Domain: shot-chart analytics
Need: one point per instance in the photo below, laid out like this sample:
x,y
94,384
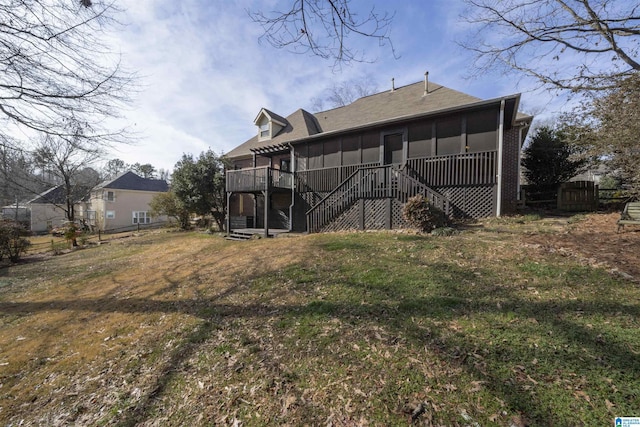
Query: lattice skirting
x,y
380,214
373,214
348,220
471,202
397,219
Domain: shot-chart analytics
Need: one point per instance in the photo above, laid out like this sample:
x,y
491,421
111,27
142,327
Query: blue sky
x,y
205,74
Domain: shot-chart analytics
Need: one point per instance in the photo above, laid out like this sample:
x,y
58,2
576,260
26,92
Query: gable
x,y
300,124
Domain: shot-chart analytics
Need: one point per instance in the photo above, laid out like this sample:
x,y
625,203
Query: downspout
x,y
292,168
500,153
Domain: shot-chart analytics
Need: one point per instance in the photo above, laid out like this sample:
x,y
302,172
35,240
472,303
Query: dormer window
x,y
264,130
269,124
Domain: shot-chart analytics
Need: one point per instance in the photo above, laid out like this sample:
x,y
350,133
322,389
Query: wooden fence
x,y
578,196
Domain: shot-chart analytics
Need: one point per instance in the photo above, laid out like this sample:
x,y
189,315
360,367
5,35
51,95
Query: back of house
x,y
355,166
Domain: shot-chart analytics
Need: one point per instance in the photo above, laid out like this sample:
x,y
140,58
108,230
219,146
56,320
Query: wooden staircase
x,y
375,182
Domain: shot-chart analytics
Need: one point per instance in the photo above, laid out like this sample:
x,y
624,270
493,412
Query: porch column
x,y
292,169
228,211
500,154
266,213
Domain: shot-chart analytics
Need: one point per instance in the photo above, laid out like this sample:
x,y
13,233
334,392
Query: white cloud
x,y
205,75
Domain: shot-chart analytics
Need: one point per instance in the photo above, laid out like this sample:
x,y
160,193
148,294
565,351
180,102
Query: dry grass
x,y
337,329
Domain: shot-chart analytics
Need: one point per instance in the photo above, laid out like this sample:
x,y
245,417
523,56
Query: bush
x,y
13,242
419,213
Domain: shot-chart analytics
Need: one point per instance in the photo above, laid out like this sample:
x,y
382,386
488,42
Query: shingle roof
x,y
55,195
406,101
130,181
299,125
273,116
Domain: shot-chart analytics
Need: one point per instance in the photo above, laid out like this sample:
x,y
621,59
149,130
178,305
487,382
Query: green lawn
x,y
336,329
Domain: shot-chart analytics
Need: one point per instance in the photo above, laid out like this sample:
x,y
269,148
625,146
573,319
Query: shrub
x,y
419,213
13,242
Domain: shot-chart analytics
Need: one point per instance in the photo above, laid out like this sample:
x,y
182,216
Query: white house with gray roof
x,y
355,166
123,202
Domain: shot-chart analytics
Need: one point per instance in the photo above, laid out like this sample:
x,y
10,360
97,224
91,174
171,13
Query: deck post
x,y
500,154
292,167
266,213
229,194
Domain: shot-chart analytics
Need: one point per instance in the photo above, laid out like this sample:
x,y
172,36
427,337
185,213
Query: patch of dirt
x,y
595,241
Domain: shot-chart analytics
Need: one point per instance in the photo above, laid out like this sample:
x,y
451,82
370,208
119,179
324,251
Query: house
x,y
355,166
17,212
48,209
123,202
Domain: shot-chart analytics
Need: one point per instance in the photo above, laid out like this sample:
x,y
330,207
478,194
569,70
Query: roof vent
x,y
426,83
393,84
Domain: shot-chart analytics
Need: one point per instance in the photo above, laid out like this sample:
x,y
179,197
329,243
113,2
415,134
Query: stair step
x,y
237,239
238,236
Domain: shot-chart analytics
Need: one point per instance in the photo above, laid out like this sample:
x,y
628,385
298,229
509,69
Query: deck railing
x,y
258,179
439,171
458,169
326,179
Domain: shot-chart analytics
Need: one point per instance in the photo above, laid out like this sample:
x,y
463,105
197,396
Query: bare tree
x,y
114,167
341,94
16,169
68,158
57,69
580,45
607,127
324,28
146,170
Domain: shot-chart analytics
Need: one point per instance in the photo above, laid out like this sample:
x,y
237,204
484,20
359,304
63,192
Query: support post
x,y
500,162
229,194
292,170
266,213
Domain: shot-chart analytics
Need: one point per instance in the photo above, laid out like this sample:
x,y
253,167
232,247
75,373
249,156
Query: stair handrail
x,y
342,184
437,199
342,191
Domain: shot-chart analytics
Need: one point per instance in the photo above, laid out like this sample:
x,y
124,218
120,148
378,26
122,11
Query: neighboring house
x,y
123,202
18,213
355,166
48,210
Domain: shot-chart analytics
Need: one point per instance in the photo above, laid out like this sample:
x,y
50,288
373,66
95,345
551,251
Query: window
x,y
371,147
302,163
351,150
315,156
110,196
331,153
482,132
110,214
448,133
264,130
285,165
420,141
141,217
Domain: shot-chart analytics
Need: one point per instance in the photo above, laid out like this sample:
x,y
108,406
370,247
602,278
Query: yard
x,y
511,322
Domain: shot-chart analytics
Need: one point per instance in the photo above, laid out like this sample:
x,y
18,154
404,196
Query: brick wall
x,y
511,149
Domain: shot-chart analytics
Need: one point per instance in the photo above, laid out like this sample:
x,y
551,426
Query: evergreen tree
x,y
549,160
